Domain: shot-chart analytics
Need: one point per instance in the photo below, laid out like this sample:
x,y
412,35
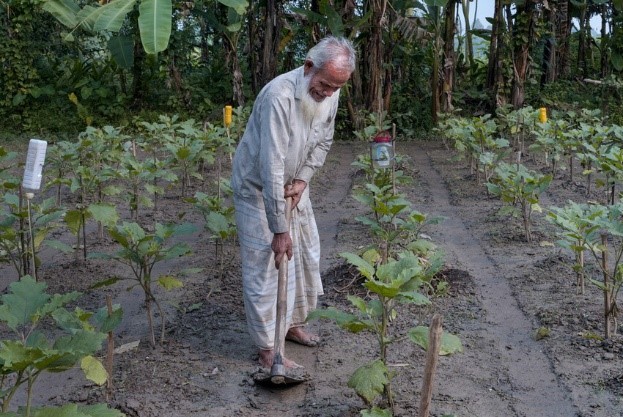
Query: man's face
x,y
325,81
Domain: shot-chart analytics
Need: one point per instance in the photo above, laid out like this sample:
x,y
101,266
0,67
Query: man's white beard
x,y
313,110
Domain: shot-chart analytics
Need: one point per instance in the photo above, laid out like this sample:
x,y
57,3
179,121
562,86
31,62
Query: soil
x,y
502,290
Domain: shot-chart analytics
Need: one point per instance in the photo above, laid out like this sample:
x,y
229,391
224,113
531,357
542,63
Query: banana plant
x,y
24,309
141,251
519,189
154,18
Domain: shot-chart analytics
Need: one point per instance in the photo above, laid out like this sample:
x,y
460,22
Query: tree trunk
x,y
447,84
138,84
469,44
270,46
548,66
523,33
605,55
495,73
253,46
353,93
231,57
315,30
563,34
374,55
582,43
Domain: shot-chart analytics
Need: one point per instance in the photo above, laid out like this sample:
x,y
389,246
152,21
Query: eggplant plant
x,y
519,189
153,170
185,151
59,160
8,181
578,233
141,176
396,271
93,172
549,140
609,161
518,124
24,358
601,227
22,234
141,250
218,216
476,137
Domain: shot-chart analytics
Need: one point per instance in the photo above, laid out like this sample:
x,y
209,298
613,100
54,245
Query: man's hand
x,y
281,246
295,190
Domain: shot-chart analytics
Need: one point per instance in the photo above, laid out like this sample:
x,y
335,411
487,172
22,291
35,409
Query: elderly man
x,y
287,138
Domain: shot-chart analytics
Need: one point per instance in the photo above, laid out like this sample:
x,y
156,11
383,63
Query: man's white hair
x,y
337,50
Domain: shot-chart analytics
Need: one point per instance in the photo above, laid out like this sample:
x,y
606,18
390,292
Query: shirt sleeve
x,y
274,136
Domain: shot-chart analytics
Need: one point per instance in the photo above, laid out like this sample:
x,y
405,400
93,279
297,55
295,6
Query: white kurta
x,y
278,146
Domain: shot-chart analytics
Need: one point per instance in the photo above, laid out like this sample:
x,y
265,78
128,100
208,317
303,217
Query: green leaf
x,y
25,299
106,282
113,15
17,357
82,342
363,267
376,412
65,11
94,370
104,213
73,220
369,381
449,343
240,6
169,282
69,410
121,48
617,60
100,410
106,322
58,245
415,297
346,321
154,24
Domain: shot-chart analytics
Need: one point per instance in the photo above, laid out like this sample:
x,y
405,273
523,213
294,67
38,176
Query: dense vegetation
x,y
67,65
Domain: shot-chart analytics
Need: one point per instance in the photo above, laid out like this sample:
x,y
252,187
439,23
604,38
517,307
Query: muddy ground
x,y
502,289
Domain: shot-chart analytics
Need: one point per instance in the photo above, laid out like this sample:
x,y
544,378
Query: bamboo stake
x,y
432,356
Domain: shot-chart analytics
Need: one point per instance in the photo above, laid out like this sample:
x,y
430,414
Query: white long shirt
x,y
280,145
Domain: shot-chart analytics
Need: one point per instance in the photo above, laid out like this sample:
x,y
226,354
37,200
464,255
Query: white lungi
x,y
260,275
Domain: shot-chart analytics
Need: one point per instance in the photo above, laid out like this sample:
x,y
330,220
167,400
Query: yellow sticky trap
x,y
227,115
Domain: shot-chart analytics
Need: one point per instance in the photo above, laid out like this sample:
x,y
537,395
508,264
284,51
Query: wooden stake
x,y
109,353
604,266
432,356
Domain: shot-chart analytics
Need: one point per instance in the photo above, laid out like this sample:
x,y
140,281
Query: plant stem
x,y
604,264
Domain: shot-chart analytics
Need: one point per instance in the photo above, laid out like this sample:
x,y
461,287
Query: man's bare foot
x,y
267,356
300,336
